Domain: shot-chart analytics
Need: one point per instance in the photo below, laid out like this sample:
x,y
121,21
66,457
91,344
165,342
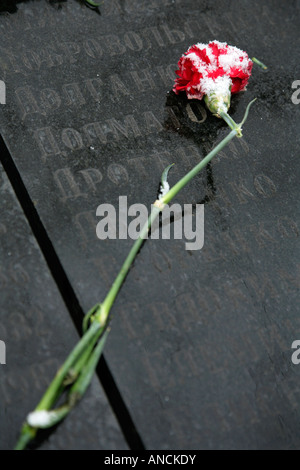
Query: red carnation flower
x,y
213,70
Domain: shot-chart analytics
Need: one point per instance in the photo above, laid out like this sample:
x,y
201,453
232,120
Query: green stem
x,y
27,435
51,394
86,375
93,4
80,363
56,387
229,121
83,359
178,186
114,290
232,124
258,62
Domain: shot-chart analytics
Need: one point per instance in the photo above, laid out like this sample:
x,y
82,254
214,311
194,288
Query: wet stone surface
x,y
200,346
38,334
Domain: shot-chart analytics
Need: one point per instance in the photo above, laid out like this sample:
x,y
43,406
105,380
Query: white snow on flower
x,y
200,45
40,419
218,86
233,59
210,55
208,51
201,66
164,188
219,43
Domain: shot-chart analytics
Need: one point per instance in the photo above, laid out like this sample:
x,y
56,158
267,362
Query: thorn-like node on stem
x,y
159,204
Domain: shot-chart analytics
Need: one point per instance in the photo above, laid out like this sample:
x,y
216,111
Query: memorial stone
x,y
201,341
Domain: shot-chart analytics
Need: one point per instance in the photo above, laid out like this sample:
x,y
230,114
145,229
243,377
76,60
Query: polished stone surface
x,y
38,334
200,346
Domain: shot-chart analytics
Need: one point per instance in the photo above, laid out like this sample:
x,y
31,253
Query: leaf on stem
x,y
258,62
87,317
164,186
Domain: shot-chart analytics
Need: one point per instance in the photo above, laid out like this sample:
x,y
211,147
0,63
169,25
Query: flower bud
x,y
217,101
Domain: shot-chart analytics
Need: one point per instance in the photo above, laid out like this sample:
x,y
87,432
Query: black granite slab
x,y
201,341
38,333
